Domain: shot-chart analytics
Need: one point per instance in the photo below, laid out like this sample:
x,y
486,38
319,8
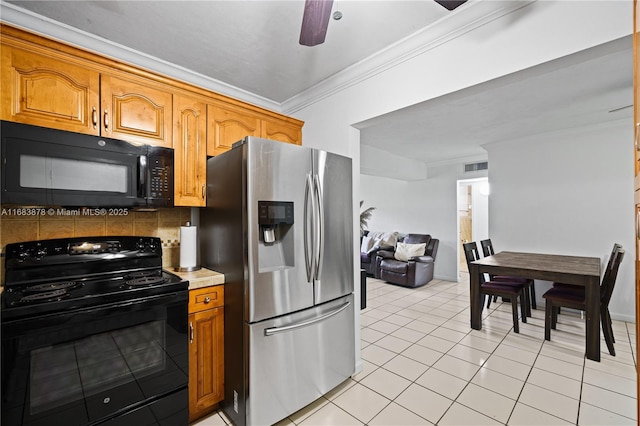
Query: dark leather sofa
x,y
416,271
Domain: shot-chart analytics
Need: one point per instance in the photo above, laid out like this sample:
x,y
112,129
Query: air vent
x,y
475,167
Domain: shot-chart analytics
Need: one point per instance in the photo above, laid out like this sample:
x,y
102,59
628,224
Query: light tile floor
x,y
423,364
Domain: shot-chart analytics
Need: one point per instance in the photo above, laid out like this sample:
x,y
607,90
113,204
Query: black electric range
x,y
94,332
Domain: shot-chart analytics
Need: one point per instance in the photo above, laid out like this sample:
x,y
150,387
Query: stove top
x,y
56,275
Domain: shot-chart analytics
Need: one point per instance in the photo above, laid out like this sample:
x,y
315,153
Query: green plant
x,y
365,215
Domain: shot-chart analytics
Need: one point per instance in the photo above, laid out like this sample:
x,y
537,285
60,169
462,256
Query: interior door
x,y
334,272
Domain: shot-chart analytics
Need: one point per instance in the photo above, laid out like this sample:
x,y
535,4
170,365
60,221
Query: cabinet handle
x,y
636,137
94,117
106,119
191,332
637,223
204,191
207,299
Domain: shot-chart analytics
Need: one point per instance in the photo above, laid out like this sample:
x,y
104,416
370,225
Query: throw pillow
x,y
375,246
406,251
389,239
367,243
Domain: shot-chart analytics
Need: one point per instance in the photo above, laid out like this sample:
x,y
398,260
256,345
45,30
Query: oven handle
x,y
181,296
151,300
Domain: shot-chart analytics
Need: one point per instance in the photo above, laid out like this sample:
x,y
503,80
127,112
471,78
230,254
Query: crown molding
x,y
453,25
41,25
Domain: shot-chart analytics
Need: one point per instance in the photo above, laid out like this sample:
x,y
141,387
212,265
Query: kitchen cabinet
x,y
44,91
283,131
228,124
190,151
62,93
135,111
206,350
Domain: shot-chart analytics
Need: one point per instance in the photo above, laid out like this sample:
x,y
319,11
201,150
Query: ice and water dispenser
x,y
276,239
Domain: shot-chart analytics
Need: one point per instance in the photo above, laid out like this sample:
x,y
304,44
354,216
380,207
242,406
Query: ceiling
x,y
253,46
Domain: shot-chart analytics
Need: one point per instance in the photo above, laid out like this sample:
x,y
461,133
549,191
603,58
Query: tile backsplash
x,y
17,225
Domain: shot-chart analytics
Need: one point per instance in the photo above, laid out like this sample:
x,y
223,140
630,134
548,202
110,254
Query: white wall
x,y
428,206
568,193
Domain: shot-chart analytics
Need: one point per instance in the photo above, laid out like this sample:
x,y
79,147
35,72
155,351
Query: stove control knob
x,y
40,253
22,254
140,245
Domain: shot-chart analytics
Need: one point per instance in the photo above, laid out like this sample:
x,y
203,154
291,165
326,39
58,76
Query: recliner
x,y
416,271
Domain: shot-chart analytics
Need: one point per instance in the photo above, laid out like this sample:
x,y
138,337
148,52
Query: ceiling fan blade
x,y
315,21
450,4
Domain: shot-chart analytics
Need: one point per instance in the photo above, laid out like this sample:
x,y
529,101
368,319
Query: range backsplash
x,y
26,224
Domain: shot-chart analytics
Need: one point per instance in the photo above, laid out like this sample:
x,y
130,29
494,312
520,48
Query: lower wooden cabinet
x,y
206,350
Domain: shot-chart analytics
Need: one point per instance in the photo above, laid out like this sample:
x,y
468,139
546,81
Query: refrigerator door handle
x,y
275,330
320,227
308,258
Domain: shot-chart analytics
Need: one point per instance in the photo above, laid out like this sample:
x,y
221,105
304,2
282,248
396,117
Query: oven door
x,y
123,363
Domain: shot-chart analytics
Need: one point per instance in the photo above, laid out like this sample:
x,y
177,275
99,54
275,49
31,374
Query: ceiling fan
x,y
315,19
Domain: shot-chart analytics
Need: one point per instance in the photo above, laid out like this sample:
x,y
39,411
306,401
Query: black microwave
x,y
47,167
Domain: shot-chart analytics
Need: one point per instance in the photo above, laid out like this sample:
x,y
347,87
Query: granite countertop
x,y
200,278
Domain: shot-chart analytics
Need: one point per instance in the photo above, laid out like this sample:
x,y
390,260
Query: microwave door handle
x,y
142,176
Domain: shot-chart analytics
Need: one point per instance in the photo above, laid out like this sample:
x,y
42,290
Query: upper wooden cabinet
x,y
283,131
228,124
135,111
190,151
48,92
53,92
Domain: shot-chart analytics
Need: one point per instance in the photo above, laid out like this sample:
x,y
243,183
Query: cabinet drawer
x,y
206,298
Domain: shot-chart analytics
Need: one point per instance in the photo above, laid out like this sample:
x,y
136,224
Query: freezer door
x,y
278,280
334,270
296,359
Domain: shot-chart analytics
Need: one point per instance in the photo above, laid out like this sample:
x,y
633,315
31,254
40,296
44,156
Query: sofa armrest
x,y
421,259
386,254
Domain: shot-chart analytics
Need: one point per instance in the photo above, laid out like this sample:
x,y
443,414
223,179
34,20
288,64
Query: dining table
x,y
578,270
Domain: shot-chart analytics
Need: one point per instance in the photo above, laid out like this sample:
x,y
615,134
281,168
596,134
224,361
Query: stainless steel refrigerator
x,y
279,225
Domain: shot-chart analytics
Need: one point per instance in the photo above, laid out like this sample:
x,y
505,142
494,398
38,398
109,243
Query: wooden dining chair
x,y
487,250
575,299
505,289
616,247
578,288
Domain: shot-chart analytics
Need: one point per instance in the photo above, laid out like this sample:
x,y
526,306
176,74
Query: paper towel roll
x,y
188,247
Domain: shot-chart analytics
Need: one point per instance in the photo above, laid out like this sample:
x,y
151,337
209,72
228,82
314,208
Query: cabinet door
x,y
206,361
135,112
190,151
227,125
281,131
48,92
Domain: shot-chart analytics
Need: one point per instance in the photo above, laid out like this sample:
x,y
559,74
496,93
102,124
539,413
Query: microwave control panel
x,y
160,166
